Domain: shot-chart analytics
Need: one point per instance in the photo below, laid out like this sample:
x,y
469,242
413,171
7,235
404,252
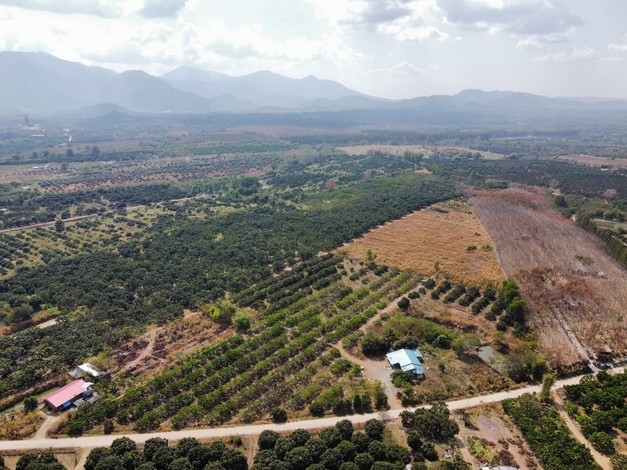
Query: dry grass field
x,y
420,240
597,161
575,290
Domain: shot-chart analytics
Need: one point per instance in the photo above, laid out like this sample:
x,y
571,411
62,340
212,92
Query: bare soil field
x,y
160,347
416,242
498,435
574,289
596,161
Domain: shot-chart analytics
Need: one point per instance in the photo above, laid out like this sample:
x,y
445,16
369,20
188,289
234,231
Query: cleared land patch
x,y
441,237
574,289
427,151
597,161
491,437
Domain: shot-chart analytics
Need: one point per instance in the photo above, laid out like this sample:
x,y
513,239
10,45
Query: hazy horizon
x,y
385,48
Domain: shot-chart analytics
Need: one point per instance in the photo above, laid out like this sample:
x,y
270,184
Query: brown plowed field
x,y
417,241
575,290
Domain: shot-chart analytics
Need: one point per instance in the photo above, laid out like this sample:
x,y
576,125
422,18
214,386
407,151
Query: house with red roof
x,y
68,394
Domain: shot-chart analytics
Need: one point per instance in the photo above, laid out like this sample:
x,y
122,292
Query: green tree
x,y
133,460
265,458
185,445
180,464
299,458
242,322
602,442
466,344
279,415
95,456
331,459
164,457
345,427
108,426
152,446
300,437
221,312
331,437
233,460
112,462
374,429
347,449
147,466
199,457
373,345
619,462
442,341
30,404
403,304
316,409
267,439
547,382
364,461
122,445
414,441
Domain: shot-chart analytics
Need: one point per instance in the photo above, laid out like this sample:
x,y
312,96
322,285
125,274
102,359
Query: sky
x,y
387,48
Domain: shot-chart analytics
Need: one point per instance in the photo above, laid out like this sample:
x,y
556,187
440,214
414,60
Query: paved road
x,y
101,441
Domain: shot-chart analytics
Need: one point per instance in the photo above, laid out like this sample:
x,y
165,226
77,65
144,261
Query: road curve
x,y
254,429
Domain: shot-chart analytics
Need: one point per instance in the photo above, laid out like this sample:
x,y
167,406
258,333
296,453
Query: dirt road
x,y
48,224
377,369
602,460
255,429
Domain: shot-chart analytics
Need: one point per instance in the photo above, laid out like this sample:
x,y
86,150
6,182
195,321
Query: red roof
x,y
67,393
604,349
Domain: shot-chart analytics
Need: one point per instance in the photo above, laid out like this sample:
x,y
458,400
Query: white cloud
x,y
100,8
620,47
407,69
521,17
404,20
539,41
161,8
575,55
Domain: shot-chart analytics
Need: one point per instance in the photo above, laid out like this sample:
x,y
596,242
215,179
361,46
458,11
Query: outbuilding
x,y
87,369
408,360
68,394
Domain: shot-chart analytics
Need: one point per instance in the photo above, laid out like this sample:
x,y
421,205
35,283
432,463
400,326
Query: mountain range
x,y
40,82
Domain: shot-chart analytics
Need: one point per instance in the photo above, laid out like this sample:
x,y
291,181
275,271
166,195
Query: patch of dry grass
x,y
19,425
597,161
416,242
574,288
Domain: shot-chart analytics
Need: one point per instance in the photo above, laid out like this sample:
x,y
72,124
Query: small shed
x,y
408,360
68,394
86,369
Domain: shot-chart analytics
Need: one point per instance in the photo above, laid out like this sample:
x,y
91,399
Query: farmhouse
x,y
68,395
408,360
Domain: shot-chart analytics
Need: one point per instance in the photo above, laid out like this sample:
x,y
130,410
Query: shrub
x,y
403,304
279,415
602,442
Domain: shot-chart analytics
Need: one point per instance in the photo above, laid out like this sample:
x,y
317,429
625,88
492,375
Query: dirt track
x,y
255,429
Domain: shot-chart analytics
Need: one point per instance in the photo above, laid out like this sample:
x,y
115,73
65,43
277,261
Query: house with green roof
x,y
408,360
